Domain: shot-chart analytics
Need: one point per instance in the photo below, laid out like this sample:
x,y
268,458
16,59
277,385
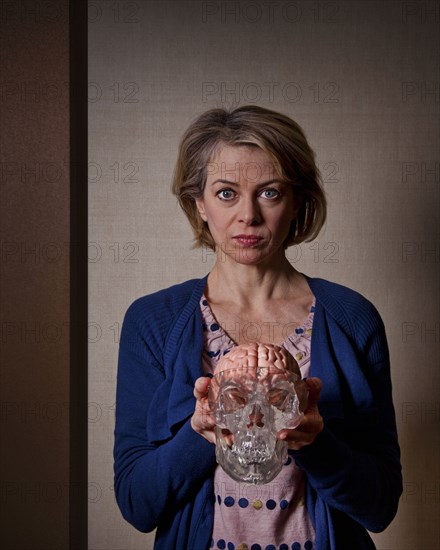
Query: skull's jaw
x,y
256,456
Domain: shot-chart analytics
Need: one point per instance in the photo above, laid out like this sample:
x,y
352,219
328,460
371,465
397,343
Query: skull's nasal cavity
x,y
256,417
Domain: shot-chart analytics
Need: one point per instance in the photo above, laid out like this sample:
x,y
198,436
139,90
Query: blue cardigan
x,y
164,469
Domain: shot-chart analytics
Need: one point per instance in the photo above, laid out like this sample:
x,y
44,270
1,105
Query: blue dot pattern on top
x,y
222,544
271,504
229,501
243,503
264,513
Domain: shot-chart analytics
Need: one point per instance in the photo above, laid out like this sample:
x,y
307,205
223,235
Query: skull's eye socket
x,y
278,397
231,399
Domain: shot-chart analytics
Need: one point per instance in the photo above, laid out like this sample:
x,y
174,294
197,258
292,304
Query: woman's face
x,y
247,206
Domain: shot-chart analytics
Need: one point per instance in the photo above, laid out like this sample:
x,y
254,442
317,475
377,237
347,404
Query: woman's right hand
x,y
202,420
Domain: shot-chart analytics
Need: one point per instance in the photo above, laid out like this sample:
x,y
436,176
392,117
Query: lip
x,y
248,240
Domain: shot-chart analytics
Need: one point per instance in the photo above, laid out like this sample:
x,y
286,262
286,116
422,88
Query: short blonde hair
x,y
276,134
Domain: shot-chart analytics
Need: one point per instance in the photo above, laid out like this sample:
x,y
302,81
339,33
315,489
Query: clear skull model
x,y
256,391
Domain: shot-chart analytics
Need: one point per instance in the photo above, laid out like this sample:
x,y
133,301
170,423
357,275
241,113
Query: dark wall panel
x,y
37,486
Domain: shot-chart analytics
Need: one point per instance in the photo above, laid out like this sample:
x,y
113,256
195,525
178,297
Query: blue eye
x,y
270,193
226,194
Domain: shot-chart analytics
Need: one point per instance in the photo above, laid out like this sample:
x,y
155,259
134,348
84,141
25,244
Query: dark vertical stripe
x,y
78,275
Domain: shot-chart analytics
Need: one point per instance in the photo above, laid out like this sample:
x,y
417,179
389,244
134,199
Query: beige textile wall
x,y
362,79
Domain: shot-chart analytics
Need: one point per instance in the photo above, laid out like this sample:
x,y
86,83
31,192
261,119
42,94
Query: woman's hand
x,y
202,420
311,424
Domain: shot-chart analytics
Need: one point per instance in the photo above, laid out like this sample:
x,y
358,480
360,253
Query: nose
x,y
250,213
256,417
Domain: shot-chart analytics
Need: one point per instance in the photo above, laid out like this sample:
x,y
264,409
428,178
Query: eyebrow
x,y
268,182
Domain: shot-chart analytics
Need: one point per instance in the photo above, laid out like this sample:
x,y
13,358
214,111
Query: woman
x,y
248,183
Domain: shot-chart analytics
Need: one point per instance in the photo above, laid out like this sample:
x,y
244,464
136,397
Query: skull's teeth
x,y
251,455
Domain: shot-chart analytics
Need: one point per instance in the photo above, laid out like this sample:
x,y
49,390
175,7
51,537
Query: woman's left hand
x,y
202,421
311,424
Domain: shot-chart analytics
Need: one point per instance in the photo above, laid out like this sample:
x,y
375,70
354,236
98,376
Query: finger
x,y
201,387
204,420
315,387
203,428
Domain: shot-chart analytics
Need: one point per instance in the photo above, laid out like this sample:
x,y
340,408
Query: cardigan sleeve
x,y
152,480
354,463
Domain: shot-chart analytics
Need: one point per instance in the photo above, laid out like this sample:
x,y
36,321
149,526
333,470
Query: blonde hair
x,y
276,134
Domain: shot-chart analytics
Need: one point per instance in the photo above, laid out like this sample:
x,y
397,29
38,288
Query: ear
x,y
200,203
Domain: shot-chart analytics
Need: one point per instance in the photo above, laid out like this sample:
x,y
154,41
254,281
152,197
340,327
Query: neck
x,y
246,285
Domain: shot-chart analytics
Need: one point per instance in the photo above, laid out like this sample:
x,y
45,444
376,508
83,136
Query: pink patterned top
x,y
259,517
